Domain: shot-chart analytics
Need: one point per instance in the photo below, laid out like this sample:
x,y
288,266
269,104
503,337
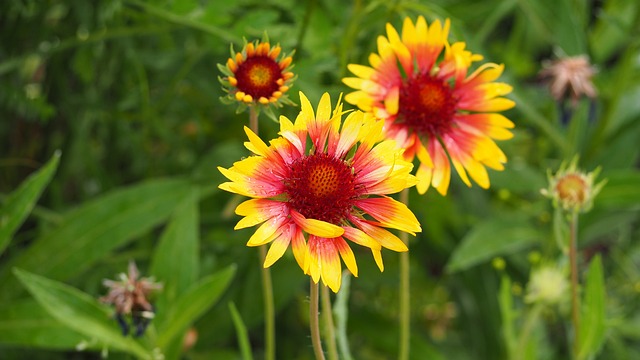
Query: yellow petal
x,y
347,256
460,170
276,250
478,173
299,246
258,146
423,156
424,179
330,268
495,104
316,227
306,110
360,237
361,71
390,213
377,256
265,233
324,108
384,237
391,102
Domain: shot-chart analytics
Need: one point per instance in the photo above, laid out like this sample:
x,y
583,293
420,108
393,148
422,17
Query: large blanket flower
x,y
419,84
320,183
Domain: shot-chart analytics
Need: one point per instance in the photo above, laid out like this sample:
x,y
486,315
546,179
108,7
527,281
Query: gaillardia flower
x,y
320,183
419,85
257,75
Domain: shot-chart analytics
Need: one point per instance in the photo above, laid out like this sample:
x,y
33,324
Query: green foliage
x,y
500,236
593,326
79,311
128,92
19,204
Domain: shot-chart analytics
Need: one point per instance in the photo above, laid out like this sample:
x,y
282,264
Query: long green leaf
x,y
175,260
26,324
621,190
93,230
592,327
192,304
491,238
79,311
241,332
21,201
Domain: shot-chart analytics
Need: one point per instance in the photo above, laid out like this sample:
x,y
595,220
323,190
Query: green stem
x,y
329,328
405,291
314,324
341,312
575,300
527,328
267,286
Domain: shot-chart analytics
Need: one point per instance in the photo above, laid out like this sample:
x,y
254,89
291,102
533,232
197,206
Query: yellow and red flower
x,y
320,183
257,75
420,85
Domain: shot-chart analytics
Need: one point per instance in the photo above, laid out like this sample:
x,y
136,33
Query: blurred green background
x,y
128,92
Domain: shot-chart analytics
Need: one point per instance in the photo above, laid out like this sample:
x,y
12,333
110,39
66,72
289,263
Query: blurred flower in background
x,y
573,189
419,85
331,189
257,75
570,77
130,295
548,285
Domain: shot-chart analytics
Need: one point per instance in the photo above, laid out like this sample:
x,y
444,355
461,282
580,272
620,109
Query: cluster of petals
x,y
322,184
432,105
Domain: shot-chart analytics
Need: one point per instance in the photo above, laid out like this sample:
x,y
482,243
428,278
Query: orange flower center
x,y
426,105
321,187
257,76
572,189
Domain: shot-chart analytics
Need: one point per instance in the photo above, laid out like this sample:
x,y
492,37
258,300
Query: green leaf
x,y
175,260
20,202
79,311
491,238
192,304
569,28
592,327
93,230
241,332
508,315
621,190
27,324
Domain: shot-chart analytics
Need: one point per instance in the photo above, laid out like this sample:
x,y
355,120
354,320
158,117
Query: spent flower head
x,y
572,189
259,75
420,85
570,77
130,295
322,182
